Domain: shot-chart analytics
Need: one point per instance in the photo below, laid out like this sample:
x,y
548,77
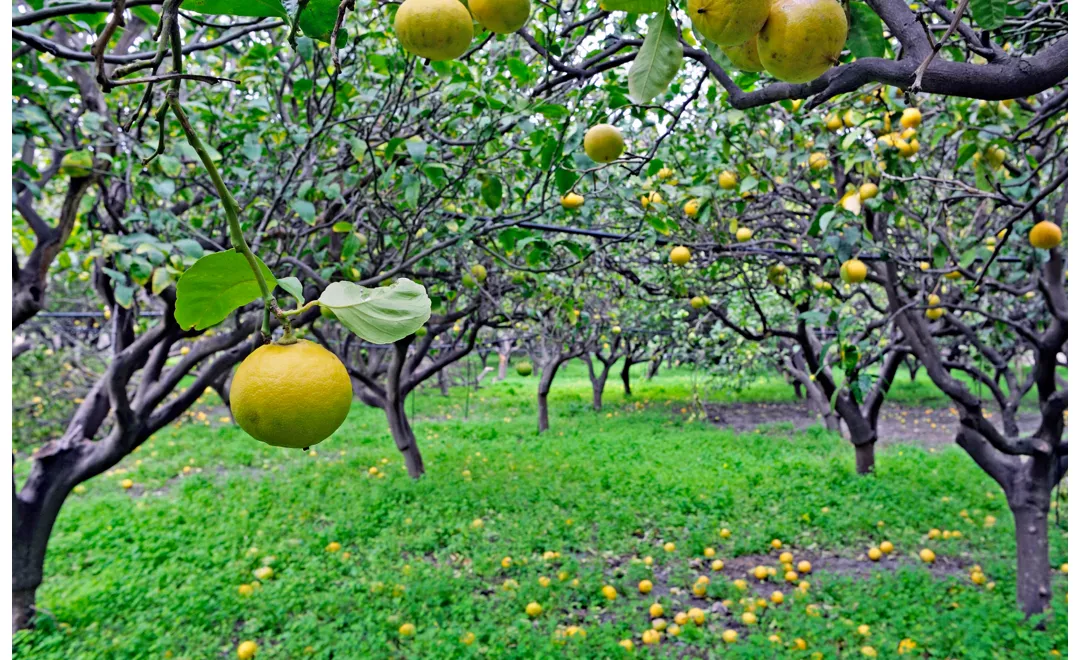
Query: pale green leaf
x,y
658,60
293,287
382,315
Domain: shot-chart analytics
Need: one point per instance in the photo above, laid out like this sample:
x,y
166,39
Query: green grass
x,y
155,571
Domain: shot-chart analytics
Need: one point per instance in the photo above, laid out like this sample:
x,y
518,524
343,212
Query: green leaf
x,y
160,281
565,180
341,226
305,210
989,14
380,316
293,287
148,15
658,60
252,8
492,192
214,286
635,6
866,37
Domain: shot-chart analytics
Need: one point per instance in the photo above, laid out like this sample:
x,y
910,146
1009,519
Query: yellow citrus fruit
x,y
645,586
627,644
479,272
745,56
468,638
697,302
777,597
652,199
818,161
245,590
927,555
571,201
407,630
874,554
728,180
604,143
853,271
691,208
533,609
935,313
434,29
656,610
246,650
501,16
744,234
802,39
804,566
995,155
729,636
849,118
650,637
728,22
292,395
1045,235
933,300
126,484
609,592
833,122
680,256
887,547
868,190
911,118
953,275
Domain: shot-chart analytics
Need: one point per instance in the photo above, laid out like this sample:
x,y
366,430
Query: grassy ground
x,y
154,572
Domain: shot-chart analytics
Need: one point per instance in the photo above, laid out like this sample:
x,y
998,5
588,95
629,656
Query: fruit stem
x,y
232,214
303,308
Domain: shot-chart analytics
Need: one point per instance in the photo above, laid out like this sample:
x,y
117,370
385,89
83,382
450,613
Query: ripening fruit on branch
x,y
77,163
697,302
501,16
744,234
291,395
728,22
1045,235
479,272
651,199
868,190
853,271
524,368
995,156
728,180
745,55
802,39
680,255
438,30
833,122
692,208
818,161
604,143
571,201
911,118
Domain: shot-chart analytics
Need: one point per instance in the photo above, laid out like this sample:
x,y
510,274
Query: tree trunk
x,y
625,374
1029,500
547,375
598,388
22,609
403,436
444,382
864,458
797,386
504,360
654,366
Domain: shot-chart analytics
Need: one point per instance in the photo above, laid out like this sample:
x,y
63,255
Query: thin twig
x,y
916,86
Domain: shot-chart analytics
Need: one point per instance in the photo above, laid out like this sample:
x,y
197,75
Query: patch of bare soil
x,y
929,427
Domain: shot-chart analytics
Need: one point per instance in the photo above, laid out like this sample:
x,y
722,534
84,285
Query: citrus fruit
x,y
524,368
77,163
691,208
853,271
292,395
697,302
407,630
438,30
802,39
868,190
744,234
645,586
927,555
911,118
680,256
604,143
1045,235
571,201
833,122
818,161
501,16
745,56
874,554
651,199
730,636
728,180
728,22
650,637
533,609
246,650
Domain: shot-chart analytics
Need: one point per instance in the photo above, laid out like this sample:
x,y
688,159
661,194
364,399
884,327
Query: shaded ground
x,y
931,427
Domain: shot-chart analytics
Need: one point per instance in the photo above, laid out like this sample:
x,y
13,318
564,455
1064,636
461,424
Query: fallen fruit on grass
x,y
645,586
650,637
533,609
609,592
804,566
786,558
656,610
263,573
927,555
874,554
291,395
729,636
886,547
407,630
777,597
697,615
247,650
718,565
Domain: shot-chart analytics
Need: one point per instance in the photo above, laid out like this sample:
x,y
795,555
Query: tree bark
x,y
654,366
444,382
547,375
1032,560
625,374
506,350
403,435
864,458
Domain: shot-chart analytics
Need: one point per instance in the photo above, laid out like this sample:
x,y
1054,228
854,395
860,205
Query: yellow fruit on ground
x,y
263,573
681,618
645,586
710,552
571,201
126,484
744,234
906,646
1065,568
728,22
978,577
609,592
760,572
245,590
853,271
868,651
691,208
887,547
725,533
407,630
802,39
468,638
804,566
1045,235
927,555
293,395
656,610
791,576
651,199
745,56
333,546
247,650
659,624
697,615
717,565
818,160
749,618
501,16
868,190
874,554
729,636
680,256
604,143
911,118
627,644
833,122
728,180
650,637
437,30
533,609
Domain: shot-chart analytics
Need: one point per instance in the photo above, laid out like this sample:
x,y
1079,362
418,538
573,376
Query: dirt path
x,y
930,427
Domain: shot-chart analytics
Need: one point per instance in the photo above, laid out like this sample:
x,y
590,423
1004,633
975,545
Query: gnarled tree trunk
x,y
547,376
625,375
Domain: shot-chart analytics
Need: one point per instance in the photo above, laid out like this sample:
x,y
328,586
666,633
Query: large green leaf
x,y
658,60
214,286
989,14
634,6
383,315
317,20
492,191
866,37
